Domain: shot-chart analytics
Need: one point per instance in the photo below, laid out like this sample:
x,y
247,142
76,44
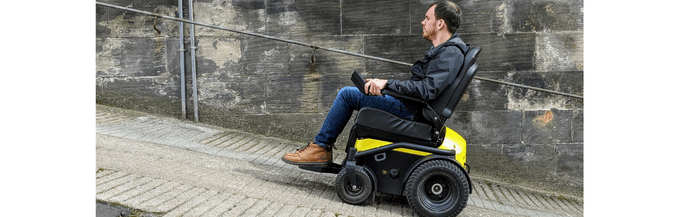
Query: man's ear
x,y
440,24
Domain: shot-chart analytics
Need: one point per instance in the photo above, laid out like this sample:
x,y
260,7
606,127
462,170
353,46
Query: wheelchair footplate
x,y
329,168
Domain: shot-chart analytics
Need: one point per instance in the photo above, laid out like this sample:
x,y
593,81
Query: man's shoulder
x,y
457,42
452,50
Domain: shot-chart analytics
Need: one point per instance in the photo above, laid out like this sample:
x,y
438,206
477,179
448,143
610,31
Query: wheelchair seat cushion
x,y
385,121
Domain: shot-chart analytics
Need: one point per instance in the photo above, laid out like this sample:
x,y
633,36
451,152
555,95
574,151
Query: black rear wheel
x,y
437,188
357,194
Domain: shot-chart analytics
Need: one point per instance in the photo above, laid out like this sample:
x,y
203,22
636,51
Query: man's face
x,y
429,24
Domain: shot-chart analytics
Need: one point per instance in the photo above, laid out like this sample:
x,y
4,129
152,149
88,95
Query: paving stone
x,y
148,195
287,210
301,211
225,206
156,201
110,177
314,213
122,189
190,204
115,183
256,208
240,207
180,199
328,214
519,198
272,209
104,173
208,205
539,203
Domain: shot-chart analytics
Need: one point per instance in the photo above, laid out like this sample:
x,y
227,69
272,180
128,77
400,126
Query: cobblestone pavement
x,y
180,168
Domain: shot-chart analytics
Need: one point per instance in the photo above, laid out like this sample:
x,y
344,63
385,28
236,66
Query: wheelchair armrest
x,y
397,95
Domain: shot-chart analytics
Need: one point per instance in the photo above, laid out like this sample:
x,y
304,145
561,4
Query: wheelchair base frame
x,y
390,164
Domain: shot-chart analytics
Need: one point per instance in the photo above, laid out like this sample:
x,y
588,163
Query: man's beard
x,y
427,36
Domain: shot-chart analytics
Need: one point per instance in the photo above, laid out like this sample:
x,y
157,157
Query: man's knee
x,y
349,95
348,90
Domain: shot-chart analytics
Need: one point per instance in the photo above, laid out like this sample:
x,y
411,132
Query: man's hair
x,y
449,12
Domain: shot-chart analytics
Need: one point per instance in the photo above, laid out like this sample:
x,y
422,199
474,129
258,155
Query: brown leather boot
x,y
311,155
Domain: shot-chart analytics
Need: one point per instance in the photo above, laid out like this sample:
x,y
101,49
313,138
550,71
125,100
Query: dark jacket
x,y
434,73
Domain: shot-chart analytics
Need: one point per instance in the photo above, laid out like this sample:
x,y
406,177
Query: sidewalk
x,y
181,168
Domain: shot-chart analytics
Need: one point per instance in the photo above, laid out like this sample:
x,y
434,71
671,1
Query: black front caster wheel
x,y
437,188
354,194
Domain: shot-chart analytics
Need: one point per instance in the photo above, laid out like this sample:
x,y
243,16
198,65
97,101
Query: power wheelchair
x,y
424,161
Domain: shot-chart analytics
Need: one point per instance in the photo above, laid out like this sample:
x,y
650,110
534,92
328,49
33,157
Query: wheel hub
x,y
437,189
354,189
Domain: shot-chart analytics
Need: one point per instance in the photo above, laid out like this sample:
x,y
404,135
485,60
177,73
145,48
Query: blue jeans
x,y
350,99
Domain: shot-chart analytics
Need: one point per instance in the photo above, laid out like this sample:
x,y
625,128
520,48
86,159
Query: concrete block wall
x,y
529,138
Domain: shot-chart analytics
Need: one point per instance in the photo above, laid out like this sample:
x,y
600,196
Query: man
x,y
430,76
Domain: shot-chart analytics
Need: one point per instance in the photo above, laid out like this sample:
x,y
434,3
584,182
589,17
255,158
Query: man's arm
x,y
440,73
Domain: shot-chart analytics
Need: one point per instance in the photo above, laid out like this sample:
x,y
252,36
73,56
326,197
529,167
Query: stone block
x,y
484,158
526,99
120,23
215,53
418,9
546,127
301,127
559,51
131,57
101,17
508,52
460,122
237,14
375,17
483,95
569,170
578,126
264,57
404,48
322,79
546,15
495,127
477,17
533,165
535,154
283,94
303,17
152,95
532,162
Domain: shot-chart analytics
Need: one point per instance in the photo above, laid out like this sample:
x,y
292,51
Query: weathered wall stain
x,y
545,119
311,89
272,88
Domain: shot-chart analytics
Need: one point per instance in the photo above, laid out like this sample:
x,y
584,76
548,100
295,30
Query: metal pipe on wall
x,y
180,11
193,63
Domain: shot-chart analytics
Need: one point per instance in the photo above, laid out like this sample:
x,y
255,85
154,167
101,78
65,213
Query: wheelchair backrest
x,y
445,103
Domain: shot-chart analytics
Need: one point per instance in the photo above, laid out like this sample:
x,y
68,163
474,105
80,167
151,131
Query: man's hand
x,y
374,86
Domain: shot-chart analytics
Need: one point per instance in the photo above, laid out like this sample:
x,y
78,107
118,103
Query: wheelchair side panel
x,y
453,140
390,169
